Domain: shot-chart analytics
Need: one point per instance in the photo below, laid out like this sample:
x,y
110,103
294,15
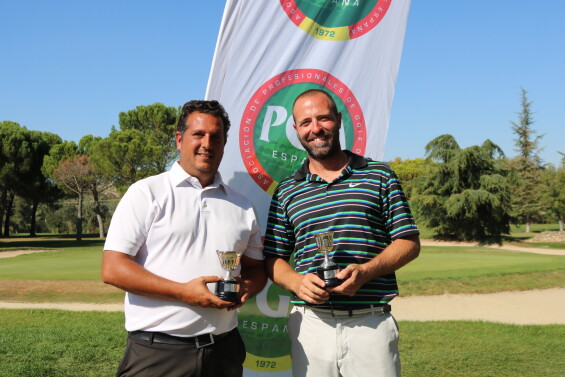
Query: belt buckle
x,y
349,313
200,345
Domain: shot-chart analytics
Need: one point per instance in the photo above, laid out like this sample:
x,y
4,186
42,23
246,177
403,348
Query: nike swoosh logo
x,y
355,184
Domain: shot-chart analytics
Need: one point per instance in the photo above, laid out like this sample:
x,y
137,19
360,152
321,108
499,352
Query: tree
x,y
21,154
157,123
75,175
124,157
465,196
145,145
11,140
36,188
100,181
21,158
62,163
408,171
57,154
554,195
527,168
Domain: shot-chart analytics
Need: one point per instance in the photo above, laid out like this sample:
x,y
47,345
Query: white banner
x,y
268,52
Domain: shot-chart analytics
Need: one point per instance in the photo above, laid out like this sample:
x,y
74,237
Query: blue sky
x,y
70,67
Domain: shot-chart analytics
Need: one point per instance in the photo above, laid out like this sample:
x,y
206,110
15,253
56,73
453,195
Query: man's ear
x,y
178,138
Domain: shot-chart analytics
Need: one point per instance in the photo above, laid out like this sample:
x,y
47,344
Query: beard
x,y
327,148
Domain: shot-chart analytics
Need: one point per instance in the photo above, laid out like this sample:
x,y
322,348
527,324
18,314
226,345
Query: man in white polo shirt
x,y
161,249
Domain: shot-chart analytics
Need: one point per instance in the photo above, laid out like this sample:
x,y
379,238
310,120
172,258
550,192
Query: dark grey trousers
x,y
223,358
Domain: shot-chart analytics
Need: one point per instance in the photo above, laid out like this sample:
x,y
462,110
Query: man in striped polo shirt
x,y
346,330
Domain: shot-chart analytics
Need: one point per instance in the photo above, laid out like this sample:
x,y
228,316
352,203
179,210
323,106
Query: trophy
x,y
228,288
328,269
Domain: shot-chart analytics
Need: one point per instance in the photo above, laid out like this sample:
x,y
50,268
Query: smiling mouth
x,y
319,140
205,155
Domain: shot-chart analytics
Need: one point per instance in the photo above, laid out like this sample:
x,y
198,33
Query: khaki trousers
x,y
358,346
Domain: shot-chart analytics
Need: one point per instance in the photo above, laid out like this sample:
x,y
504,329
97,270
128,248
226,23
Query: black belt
x,y
197,341
351,310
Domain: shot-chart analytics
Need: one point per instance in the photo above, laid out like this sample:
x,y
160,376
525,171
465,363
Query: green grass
x,y
482,284
52,242
455,262
517,233
468,349
534,228
443,269
53,343
540,245
45,343
72,263
438,270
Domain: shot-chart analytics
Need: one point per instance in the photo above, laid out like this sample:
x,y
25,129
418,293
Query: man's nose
x,y
316,127
206,142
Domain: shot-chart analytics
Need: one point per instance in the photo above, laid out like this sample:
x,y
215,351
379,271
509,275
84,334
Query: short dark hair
x,y
211,107
310,92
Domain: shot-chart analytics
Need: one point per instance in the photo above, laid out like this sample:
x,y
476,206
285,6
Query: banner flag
x,y
267,53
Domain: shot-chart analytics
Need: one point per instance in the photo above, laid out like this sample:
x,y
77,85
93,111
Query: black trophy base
x,y
327,274
228,290
334,282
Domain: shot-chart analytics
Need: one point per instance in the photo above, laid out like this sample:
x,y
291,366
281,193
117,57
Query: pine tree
x,y
465,195
527,168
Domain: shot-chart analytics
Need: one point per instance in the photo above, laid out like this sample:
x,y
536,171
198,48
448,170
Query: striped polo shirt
x,y
366,209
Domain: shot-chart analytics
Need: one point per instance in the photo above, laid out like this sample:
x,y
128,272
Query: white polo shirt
x,y
173,227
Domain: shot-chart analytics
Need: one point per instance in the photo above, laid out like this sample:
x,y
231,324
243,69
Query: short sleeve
x,y
130,223
399,221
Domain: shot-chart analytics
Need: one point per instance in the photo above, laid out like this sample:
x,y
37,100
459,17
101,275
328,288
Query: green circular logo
x,y
263,328
268,143
336,19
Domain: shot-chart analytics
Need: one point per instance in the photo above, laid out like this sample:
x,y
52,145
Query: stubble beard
x,y
325,152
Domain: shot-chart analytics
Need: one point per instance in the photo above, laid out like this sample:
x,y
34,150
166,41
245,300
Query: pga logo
x,y
269,146
275,117
336,20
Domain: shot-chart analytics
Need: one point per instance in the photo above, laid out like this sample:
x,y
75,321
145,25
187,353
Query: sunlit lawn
x,y
57,343
438,270
517,233
53,343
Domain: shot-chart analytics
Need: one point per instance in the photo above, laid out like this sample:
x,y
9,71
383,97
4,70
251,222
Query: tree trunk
x,y
527,227
561,225
98,213
79,218
3,197
8,209
32,221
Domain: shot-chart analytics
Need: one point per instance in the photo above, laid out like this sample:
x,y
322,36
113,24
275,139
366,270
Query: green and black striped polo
x,y
366,209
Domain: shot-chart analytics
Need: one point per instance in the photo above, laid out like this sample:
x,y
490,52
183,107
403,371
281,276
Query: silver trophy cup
x,y
228,287
328,270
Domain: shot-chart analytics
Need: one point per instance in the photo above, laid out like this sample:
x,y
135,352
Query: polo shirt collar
x,y
179,175
355,162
